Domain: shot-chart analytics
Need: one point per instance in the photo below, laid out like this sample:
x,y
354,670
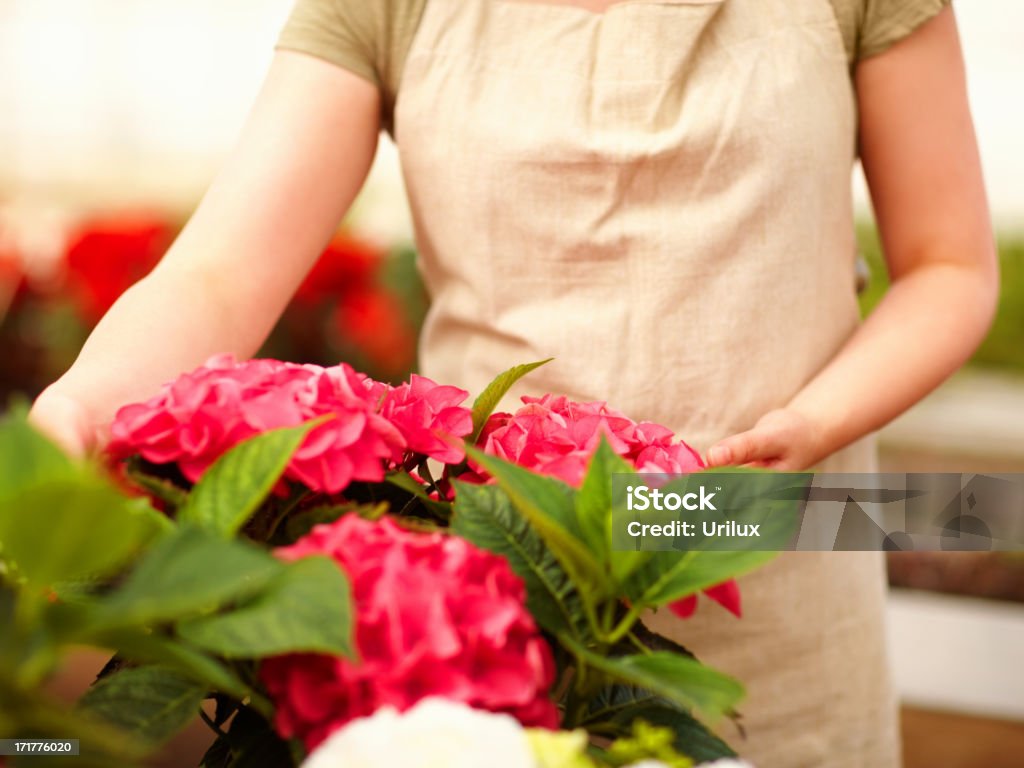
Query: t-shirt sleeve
x,y
885,22
342,32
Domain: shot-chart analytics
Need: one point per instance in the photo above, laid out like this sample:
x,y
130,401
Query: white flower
x,y
435,733
438,733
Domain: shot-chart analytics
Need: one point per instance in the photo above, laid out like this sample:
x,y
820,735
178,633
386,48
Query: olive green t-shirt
x,y
372,37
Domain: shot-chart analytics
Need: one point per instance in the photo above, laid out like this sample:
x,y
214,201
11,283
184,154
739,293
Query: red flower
x,y
374,322
10,268
347,265
107,256
557,436
425,412
366,320
726,594
14,284
434,616
202,414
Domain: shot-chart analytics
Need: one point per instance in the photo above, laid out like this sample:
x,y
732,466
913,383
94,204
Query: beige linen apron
x,y
659,197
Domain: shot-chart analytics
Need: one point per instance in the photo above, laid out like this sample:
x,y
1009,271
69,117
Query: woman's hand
x,y
65,421
784,440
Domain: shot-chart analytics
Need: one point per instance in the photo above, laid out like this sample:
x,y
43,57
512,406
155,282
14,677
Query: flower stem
x,y
626,624
284,510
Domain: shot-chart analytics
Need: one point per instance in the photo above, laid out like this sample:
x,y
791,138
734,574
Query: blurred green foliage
x,y
1004,346
188,608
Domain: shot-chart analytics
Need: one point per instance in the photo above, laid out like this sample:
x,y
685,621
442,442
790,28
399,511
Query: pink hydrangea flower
x,y
202,414
557,436
429,415
434,616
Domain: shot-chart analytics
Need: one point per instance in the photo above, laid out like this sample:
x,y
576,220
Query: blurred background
x,y
115,114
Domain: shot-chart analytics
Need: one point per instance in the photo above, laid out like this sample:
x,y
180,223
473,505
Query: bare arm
x,y
303,155
921,160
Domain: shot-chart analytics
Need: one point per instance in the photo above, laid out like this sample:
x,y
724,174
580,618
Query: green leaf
x,y
488,400
652,641
153,703
35,713
484,515
612,712
157,648
160,487
406,483
548,505
234,487
669,576
189,573
594,500
594,505
70,528
306,609
680,679
298,524
27,458
29,646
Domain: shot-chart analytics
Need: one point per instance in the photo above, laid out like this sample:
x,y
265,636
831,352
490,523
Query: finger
x,y
781,464
63,421
752,448
63,435
733,451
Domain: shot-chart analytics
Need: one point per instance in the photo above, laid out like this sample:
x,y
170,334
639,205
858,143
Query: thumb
x,y
64,421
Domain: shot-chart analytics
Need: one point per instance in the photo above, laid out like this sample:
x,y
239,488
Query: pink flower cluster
x,y
429,416
557,436
434,616
202,414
